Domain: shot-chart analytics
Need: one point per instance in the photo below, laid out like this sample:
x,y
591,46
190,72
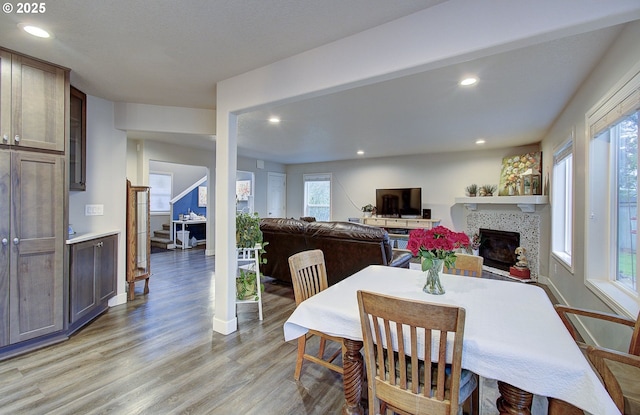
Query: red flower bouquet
x,y
436,243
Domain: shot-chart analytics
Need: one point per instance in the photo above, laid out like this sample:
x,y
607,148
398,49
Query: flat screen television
x,y
399,203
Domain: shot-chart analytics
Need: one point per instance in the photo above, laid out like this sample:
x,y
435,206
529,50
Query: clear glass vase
x,y
433,284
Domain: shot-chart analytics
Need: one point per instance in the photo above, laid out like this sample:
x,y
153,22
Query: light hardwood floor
x,y
159,355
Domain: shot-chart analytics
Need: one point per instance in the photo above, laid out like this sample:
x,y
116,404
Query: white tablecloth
x,y
512,331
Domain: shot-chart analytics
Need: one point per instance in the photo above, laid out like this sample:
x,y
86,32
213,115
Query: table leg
x,y
513,401
352,377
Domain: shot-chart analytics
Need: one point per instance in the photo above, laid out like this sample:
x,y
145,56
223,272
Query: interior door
x,y
276,195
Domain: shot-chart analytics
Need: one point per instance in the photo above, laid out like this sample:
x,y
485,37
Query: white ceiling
x,y
172,53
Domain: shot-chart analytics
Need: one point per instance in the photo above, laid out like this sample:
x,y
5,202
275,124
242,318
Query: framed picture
x,y
202,196
513,167
243,189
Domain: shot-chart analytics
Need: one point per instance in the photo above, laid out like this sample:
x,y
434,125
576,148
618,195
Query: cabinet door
x,y
106,268
5,98
82,279
39,95
5,185
36,271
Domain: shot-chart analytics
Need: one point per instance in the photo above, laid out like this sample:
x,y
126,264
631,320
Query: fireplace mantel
x,y
526,203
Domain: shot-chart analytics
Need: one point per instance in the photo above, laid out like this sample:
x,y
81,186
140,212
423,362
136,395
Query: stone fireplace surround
x,y
527,224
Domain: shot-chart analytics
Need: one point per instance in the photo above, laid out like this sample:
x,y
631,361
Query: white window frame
x,y
562,204
317,177
599,278
153,195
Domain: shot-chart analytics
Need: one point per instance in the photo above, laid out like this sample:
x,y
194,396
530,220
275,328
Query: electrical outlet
x,y
93,210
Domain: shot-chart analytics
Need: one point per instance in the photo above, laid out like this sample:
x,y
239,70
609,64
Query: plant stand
x,y
249,259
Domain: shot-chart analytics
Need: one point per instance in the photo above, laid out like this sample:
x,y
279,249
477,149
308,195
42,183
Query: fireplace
x,y
498,248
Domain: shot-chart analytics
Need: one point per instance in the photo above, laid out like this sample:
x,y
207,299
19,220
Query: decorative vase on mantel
x,y
433,284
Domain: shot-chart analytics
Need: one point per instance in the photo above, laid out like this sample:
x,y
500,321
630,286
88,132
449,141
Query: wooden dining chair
x,y
309,277
467,265
397,375
619,371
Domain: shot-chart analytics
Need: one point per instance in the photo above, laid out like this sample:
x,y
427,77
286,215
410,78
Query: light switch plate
x,y
93,210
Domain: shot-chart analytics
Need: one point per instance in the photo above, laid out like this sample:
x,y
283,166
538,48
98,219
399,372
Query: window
x,y
562,205
612,215
160,192
317,196
624,135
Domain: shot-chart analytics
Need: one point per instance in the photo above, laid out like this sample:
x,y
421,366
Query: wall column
x,y
224,318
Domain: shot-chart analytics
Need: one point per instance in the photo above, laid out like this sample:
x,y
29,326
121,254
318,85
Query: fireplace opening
x,y
498,248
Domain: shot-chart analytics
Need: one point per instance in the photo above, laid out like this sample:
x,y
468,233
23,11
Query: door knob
x,y
17,138
4,241
16,241
5,138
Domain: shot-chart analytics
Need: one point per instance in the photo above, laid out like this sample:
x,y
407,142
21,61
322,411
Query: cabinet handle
x,y
5,138
4,241
99,244
16,241
17,138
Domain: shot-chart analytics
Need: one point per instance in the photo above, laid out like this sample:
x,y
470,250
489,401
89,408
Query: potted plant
x,y
368,210
248,233
246,288
248,236
472,190
487,190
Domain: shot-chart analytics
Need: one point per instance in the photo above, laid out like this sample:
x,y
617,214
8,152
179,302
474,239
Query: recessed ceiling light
x,y
34,30
468,81
360,152
274,120
480,141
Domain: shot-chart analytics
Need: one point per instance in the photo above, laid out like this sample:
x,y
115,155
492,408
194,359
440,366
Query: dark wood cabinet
x,y
32,109
92,279
33,201
77,139
31,245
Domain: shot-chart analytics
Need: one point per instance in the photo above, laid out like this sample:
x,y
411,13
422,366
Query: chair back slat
x,y
308,274
401,338
467,266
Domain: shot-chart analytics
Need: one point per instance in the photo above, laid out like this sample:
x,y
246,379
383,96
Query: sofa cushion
x,y
352,231
285,237
348,247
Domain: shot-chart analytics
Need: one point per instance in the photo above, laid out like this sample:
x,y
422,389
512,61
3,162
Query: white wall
x,y
260,186
442,177
106,182
620,58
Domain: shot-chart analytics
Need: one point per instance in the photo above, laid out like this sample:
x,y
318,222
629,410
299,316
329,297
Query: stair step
x,y
164,243
166,226
162,234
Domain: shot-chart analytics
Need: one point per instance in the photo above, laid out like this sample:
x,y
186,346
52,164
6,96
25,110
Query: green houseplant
x,y
368,210
488,190
472,190
249,235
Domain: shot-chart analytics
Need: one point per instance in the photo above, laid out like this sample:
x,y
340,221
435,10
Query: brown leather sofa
x,y
347,247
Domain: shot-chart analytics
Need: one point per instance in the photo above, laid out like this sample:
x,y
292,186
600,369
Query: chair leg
x,y
302,344
323,343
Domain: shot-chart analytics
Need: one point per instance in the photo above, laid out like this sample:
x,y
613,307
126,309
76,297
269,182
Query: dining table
x,y
512,334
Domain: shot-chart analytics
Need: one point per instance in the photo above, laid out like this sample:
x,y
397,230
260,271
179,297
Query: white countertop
x,y
82,237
